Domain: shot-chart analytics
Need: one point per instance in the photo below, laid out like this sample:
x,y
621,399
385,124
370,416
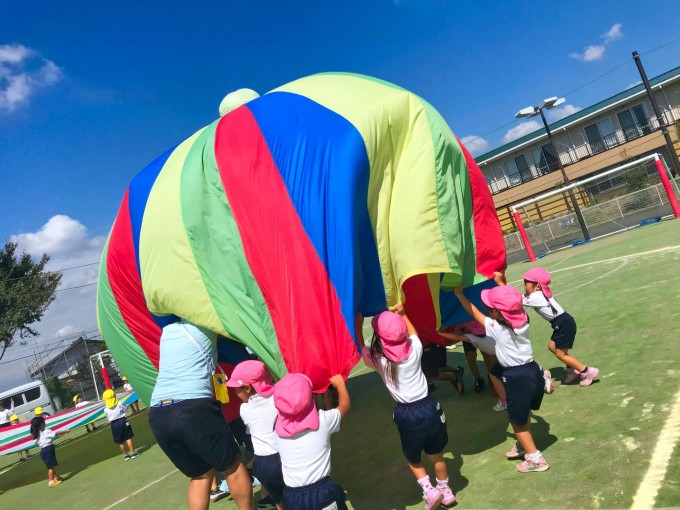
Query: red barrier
x,y
668,188
523,233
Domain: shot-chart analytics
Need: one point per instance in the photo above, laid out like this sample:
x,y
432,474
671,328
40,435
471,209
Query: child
x,y
304,441
78,400
395,353
44,438
120,426
127,387
253,385
539,297
524,382
14,420
433,363
474,335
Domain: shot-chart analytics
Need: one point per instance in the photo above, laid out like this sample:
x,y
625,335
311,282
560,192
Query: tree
x,y
26,290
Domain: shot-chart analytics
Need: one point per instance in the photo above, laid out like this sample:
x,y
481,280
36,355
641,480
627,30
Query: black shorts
x,y
6,424
524,387
121,430
564,331
497,371
322,495
434,358
49,456
422,428
194,436
267,469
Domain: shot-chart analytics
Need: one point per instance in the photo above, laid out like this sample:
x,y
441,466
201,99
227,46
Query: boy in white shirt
x,y
79,402
120,426
304,440
253,385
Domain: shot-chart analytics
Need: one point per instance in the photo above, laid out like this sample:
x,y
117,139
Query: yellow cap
x,y
110,399
38,411
124,378
14,417
75,398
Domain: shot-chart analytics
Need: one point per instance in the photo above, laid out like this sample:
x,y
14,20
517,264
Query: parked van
x,y
26,398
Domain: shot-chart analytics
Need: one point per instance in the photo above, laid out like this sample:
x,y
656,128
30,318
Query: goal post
x,y
618,199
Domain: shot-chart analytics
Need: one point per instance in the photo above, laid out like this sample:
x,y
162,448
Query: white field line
x,y
142,489
645,497
613,259
623,263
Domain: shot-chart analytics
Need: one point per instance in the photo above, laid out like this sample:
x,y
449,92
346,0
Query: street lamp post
x,y
532,111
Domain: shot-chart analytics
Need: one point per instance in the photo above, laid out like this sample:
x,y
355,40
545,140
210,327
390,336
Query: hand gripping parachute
x,y
277,223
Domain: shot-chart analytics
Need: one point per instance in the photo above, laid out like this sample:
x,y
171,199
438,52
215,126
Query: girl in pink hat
x,y
508,325
539,297
304,441
253,384
395,354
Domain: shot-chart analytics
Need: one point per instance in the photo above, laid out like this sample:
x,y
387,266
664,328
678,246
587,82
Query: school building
x,y
605,135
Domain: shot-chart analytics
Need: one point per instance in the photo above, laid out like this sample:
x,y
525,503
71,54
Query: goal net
x,y
104,359
624,197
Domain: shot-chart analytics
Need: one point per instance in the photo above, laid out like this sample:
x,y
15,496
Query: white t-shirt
x,y
513,347
259,415
127,386
412,384
45,438
81,404
116,412
541,304
5,414
306,457
485,343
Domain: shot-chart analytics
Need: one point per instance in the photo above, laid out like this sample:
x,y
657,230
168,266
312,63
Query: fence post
x,y
667,187
618,203
523,233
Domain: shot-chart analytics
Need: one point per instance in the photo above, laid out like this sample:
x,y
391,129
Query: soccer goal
x,y
625,197
111,376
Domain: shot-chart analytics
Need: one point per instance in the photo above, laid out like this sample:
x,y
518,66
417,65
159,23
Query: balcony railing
x,y
587,149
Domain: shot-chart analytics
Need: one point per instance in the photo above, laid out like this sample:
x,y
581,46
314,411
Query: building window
x,y
523,167
601,136
634,122
544,159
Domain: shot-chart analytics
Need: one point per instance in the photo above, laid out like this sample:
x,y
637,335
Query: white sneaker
x,y
548,385
500,406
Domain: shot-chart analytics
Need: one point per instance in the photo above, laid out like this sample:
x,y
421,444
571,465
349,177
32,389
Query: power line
x,y
50,271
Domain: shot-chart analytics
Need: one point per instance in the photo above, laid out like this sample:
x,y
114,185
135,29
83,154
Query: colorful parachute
x,y
280,221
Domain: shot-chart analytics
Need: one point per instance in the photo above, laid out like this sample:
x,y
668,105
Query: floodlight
x,y
529,111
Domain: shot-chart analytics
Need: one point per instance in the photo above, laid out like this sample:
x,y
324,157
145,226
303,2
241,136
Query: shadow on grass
x,y
82,452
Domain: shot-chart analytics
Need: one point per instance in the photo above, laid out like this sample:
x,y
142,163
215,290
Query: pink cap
x,y
475,328
507,300
393,333
540,276
254,373
293,399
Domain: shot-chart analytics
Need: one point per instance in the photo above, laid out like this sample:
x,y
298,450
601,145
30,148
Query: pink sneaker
x,y
449,497
548,385
589,376
516,452
572,375
433,497
532,467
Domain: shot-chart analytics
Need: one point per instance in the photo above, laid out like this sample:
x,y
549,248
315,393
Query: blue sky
x,y
90,92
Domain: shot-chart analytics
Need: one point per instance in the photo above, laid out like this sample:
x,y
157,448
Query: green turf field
x,y
624,293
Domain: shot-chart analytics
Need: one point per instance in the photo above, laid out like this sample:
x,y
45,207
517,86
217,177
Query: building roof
x,y
581,114
37,367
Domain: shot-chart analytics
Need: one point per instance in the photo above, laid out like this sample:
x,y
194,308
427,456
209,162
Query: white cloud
x,y
23,72
475,144
631,85
590,53
69,245
562,112
520,130
612,34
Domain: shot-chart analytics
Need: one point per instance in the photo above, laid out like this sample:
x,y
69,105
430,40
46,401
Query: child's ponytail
x,y
377,352
37,424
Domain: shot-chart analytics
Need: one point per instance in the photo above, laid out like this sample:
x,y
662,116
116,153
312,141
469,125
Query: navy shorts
x,y
195,436
468,347
49,456
524,389
434,358
564,331
422,428
267,469
324,494
497,371
121,430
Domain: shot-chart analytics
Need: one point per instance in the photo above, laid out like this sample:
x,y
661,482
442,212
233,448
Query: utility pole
x,y
675,164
